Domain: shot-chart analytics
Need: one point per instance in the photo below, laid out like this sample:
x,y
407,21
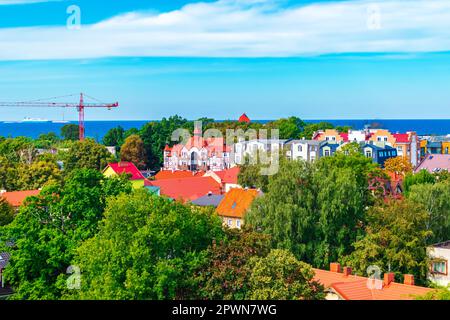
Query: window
x,y
446,150
238,223
299,148
230,222
234,205
439,267
385,138
369,153
327,153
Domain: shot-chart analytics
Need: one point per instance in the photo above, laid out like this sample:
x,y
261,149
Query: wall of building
x,y
439,253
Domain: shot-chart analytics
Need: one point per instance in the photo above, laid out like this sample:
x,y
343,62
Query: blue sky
x,y
268,58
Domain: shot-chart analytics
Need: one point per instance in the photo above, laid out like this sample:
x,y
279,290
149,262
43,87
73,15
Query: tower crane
x,y
80,106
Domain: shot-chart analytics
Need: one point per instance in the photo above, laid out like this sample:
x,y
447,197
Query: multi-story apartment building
x,y
308,150
244,148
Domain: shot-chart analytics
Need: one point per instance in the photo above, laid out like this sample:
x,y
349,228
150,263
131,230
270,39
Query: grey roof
x,y
375,147
313,142
444,245
209,200
4,259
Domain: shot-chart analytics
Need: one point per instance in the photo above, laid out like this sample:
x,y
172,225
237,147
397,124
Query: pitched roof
x,y
186,189
401,137
354,287
126,167
344,136
236,202
209,200
244,118
4,259
178,174
16,198
434,162
228,175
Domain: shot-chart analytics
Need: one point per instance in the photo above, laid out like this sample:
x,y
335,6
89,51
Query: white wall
x,y
439,253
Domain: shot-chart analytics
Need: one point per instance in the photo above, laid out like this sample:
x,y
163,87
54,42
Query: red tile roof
x,y
236,202
16,198
186,189
228,175
244,118
353,287
401,137
178,174
128,168
344,136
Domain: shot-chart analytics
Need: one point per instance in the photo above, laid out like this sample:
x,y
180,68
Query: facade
x,y
343,285
123,167
4,259
234,205
198,154
379,154
228,178
439,255
250,148
406,144
307,150
434,145
327,149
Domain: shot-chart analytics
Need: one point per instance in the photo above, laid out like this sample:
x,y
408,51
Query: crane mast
x,y
79,106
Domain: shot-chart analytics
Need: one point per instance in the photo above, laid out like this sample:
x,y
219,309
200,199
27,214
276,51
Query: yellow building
x,y
128,168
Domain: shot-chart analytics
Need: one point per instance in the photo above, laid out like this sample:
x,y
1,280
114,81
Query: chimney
x,y
408,279
388,278
209,193
2,191
347,271
335,267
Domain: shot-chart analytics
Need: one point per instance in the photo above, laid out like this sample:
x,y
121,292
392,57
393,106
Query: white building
x,y
243,149
439,255
308,150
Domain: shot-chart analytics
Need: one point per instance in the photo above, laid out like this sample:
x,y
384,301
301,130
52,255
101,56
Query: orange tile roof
x,y
229,175
236,202
186,189
16,198
355,287
178,174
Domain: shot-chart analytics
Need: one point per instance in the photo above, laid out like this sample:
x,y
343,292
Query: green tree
x,y
224,274
290,128
9,175
49,228
423,176
6,212
148,247
46,140
280,276
133,151
396,239
114,137
86,154
70,132
39,174
435,199
310,128
250,177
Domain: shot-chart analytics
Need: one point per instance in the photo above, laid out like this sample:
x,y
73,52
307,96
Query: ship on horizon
x,y
34,120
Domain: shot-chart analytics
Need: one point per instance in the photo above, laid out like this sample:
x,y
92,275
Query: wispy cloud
x,y
12,2
245,28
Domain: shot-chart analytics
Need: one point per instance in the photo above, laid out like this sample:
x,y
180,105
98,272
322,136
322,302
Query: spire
x,y
244,118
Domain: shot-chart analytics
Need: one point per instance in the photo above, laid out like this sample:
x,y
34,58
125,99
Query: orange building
x,y
234,205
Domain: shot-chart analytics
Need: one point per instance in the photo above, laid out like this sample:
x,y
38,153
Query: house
x,y
307,150
198,154
209,200
17,198
439,255
434,163
227,178
179,174
186,189
343,285
4,260
327,149
234,205
123,167
407,144
434,145
379,154
248,148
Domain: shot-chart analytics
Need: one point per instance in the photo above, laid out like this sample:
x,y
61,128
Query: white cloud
x,y
13,2
244,28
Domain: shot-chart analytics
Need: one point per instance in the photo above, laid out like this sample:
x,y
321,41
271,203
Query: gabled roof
x,y
177,174
434,162
353,287
186,189
209,200
236,202
228,175
16,198
344,136
124,167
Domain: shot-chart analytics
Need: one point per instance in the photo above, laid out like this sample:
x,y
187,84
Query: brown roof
x,y
16,198
353,287
236,202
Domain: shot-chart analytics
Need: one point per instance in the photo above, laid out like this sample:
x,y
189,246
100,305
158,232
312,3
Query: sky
x,y
353,59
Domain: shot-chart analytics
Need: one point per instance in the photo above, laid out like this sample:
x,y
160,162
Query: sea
x,y
97,129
